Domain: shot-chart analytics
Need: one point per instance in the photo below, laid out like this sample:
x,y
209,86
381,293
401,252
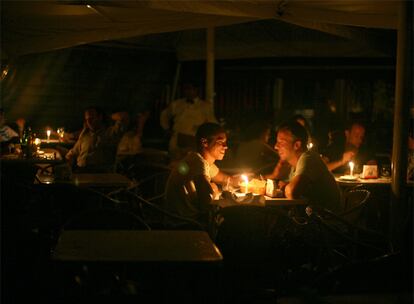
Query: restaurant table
x,y
163,265
262,201
362,181
136,246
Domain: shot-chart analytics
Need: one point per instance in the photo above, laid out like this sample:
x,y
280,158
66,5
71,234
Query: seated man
x,y
339,153
191,185
310,177
96,146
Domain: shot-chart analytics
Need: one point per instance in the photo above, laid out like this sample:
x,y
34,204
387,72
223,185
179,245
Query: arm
x,y
280,171
166,116
297,186
346,157
224,179
205,192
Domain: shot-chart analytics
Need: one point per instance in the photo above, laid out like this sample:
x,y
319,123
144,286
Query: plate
x,y
348,177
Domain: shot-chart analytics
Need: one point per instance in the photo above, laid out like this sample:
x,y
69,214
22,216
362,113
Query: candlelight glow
x,y
351,167
246,182
310,146
37,141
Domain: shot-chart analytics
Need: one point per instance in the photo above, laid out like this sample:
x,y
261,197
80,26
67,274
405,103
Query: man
x,y
95,149
191,185
6,133
187,115
338,154
310,177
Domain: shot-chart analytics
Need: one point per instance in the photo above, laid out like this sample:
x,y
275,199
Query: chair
x,y
355,205
106,219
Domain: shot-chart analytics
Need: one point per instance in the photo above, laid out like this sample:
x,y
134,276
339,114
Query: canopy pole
x,y
175,84
403,95
210,65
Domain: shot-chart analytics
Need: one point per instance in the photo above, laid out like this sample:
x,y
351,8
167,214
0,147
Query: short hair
x,y
97,109
298,131
354,122
207,131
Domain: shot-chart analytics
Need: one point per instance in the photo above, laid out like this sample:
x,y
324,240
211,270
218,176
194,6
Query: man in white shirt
x,y
186,115
95,149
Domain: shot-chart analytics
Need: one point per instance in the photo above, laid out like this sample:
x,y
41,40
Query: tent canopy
x,y
38,26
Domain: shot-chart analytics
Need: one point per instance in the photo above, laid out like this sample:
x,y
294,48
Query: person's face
x,y
286,145
93,120
355,136
218,146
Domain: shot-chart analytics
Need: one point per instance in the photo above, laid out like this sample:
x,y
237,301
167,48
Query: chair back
x,y
355,205
106,219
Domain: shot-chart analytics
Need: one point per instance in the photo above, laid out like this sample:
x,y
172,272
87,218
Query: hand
x,y
347,156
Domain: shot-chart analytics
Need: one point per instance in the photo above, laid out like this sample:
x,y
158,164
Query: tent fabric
x,y
38,26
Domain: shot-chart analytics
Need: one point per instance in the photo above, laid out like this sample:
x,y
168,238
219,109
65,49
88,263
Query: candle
x,y
351,167
48,134
246,183
310,146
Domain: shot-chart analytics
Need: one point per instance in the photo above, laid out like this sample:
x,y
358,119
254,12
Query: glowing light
x,y
48,132
246,182
351,167
310,146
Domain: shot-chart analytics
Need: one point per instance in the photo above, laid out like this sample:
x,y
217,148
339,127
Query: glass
x,y
385,170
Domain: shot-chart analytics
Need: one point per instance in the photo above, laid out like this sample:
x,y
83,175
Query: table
x,y
165,265
262,201
136,246
363,181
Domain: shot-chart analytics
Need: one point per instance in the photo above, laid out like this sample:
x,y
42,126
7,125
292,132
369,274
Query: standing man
x,y
95,149
191,185
186,115
309,176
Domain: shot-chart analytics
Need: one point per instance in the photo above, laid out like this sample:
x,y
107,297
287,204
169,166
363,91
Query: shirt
x,y
181,194
322,190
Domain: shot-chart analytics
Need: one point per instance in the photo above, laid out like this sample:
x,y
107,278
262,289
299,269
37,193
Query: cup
x,y
385,170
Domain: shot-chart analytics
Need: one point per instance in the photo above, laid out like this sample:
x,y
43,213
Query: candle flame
x,y
48,132
245,179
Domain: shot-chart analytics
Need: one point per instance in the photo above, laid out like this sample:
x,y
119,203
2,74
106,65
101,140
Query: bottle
x,y
27,142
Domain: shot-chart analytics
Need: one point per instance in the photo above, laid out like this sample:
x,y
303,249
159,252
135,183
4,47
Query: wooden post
x,y
403,95
210,65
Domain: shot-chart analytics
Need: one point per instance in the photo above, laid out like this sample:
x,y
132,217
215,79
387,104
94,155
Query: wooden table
x,y
136,246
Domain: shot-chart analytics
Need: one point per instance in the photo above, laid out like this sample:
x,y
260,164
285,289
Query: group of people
x,y
197,141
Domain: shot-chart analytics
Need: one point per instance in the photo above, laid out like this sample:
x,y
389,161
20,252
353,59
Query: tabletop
x,y
358,180
136,246
261,201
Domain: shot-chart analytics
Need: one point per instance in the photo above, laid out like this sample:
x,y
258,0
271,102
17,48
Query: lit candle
x,y
351,167
310,146
246,183
48,134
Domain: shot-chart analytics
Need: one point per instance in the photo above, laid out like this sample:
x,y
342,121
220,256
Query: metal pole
x,y
210,65
403,94
176,77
